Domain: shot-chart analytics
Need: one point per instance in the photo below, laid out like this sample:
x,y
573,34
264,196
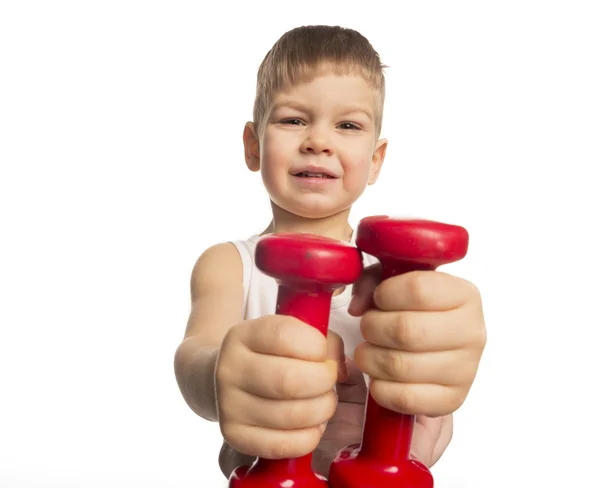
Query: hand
x,y
424,338
274,386
343,429
346,426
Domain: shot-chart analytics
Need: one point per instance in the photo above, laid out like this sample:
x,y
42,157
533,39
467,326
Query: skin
x,y
269,381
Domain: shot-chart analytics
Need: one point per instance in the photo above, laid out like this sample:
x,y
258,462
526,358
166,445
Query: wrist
x,y
443,440
194,366
229,459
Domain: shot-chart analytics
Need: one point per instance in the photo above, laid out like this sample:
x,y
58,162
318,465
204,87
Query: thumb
x,y
335,351
362,290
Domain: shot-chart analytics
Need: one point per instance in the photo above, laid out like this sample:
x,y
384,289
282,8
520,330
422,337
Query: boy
x,y
269,380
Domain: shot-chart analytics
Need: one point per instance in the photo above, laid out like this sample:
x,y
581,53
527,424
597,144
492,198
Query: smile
x,y
308,174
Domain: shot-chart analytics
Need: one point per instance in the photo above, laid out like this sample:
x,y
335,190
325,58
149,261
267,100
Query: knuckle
x,y
404,399
228,407
406,331
230,353
457,399
418,288
480,337
279,332
331,401
291,416
283,383
361,353
334,337
235,336
291,445
400,399
324,381
284,448
476,333
279,449
224,374
334,340
365,324
472,289
230,433
396,365
309,413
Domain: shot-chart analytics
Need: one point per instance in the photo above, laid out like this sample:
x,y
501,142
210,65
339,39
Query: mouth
x,y
309,174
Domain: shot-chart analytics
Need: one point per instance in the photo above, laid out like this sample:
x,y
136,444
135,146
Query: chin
x,y
308,212
313,206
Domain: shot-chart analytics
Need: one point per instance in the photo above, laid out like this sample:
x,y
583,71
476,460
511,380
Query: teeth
x,y
308,174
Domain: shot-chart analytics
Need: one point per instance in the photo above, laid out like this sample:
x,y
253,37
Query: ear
x,y
377,161
251,147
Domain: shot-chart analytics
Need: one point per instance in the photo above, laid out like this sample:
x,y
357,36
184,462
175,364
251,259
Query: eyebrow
x,y
292,105
354,110
342,112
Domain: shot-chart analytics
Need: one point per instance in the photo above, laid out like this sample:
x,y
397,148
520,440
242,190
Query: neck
x,y
335,226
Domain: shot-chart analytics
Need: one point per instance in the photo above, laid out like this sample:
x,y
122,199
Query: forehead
x,y
328,90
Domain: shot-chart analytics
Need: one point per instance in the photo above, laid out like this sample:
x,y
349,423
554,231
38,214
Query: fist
x,y
424,335
274,386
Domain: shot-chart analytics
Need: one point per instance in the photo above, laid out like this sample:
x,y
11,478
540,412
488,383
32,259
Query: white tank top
x,y
260,296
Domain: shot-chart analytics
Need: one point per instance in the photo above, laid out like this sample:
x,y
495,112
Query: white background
x,y
121,161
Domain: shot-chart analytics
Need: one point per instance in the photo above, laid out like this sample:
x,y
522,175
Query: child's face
x,y
319,149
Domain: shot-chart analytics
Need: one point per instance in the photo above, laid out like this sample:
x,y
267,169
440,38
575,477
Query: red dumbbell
x,y
308,269
382,459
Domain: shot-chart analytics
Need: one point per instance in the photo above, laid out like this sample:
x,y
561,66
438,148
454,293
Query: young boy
x,y
269,380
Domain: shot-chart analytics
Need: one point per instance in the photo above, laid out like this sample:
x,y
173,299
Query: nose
x,y
317,141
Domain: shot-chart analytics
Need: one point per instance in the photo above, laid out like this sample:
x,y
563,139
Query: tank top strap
x,y
245,249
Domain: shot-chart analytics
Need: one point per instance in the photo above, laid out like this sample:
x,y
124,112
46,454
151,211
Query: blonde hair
x,y
299,54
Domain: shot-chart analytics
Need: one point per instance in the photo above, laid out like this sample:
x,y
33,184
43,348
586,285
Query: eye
x,y
349,126
292,122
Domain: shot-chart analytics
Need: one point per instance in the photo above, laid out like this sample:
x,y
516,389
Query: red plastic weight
x,y
308,270
382,459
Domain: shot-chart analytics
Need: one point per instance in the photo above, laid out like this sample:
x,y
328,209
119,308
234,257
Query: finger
x,y
283,378
271,443
448,368
354,388
423,290
413,399
355,375
418,331
335,351
362,290
283,335
248,409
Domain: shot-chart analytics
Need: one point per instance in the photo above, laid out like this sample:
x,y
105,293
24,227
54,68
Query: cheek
x,y
274,151
274,163
357,168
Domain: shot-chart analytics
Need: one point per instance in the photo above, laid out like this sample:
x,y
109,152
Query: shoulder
x,y
218,264
221,254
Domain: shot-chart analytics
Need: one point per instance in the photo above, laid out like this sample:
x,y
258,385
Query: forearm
x,y
431,436
443,440
229,459
195,373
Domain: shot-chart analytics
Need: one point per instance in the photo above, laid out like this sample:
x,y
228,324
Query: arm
x,y
431,437
217,298
444,438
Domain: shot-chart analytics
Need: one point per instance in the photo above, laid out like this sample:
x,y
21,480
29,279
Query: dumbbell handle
x,y
312,306
387,435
